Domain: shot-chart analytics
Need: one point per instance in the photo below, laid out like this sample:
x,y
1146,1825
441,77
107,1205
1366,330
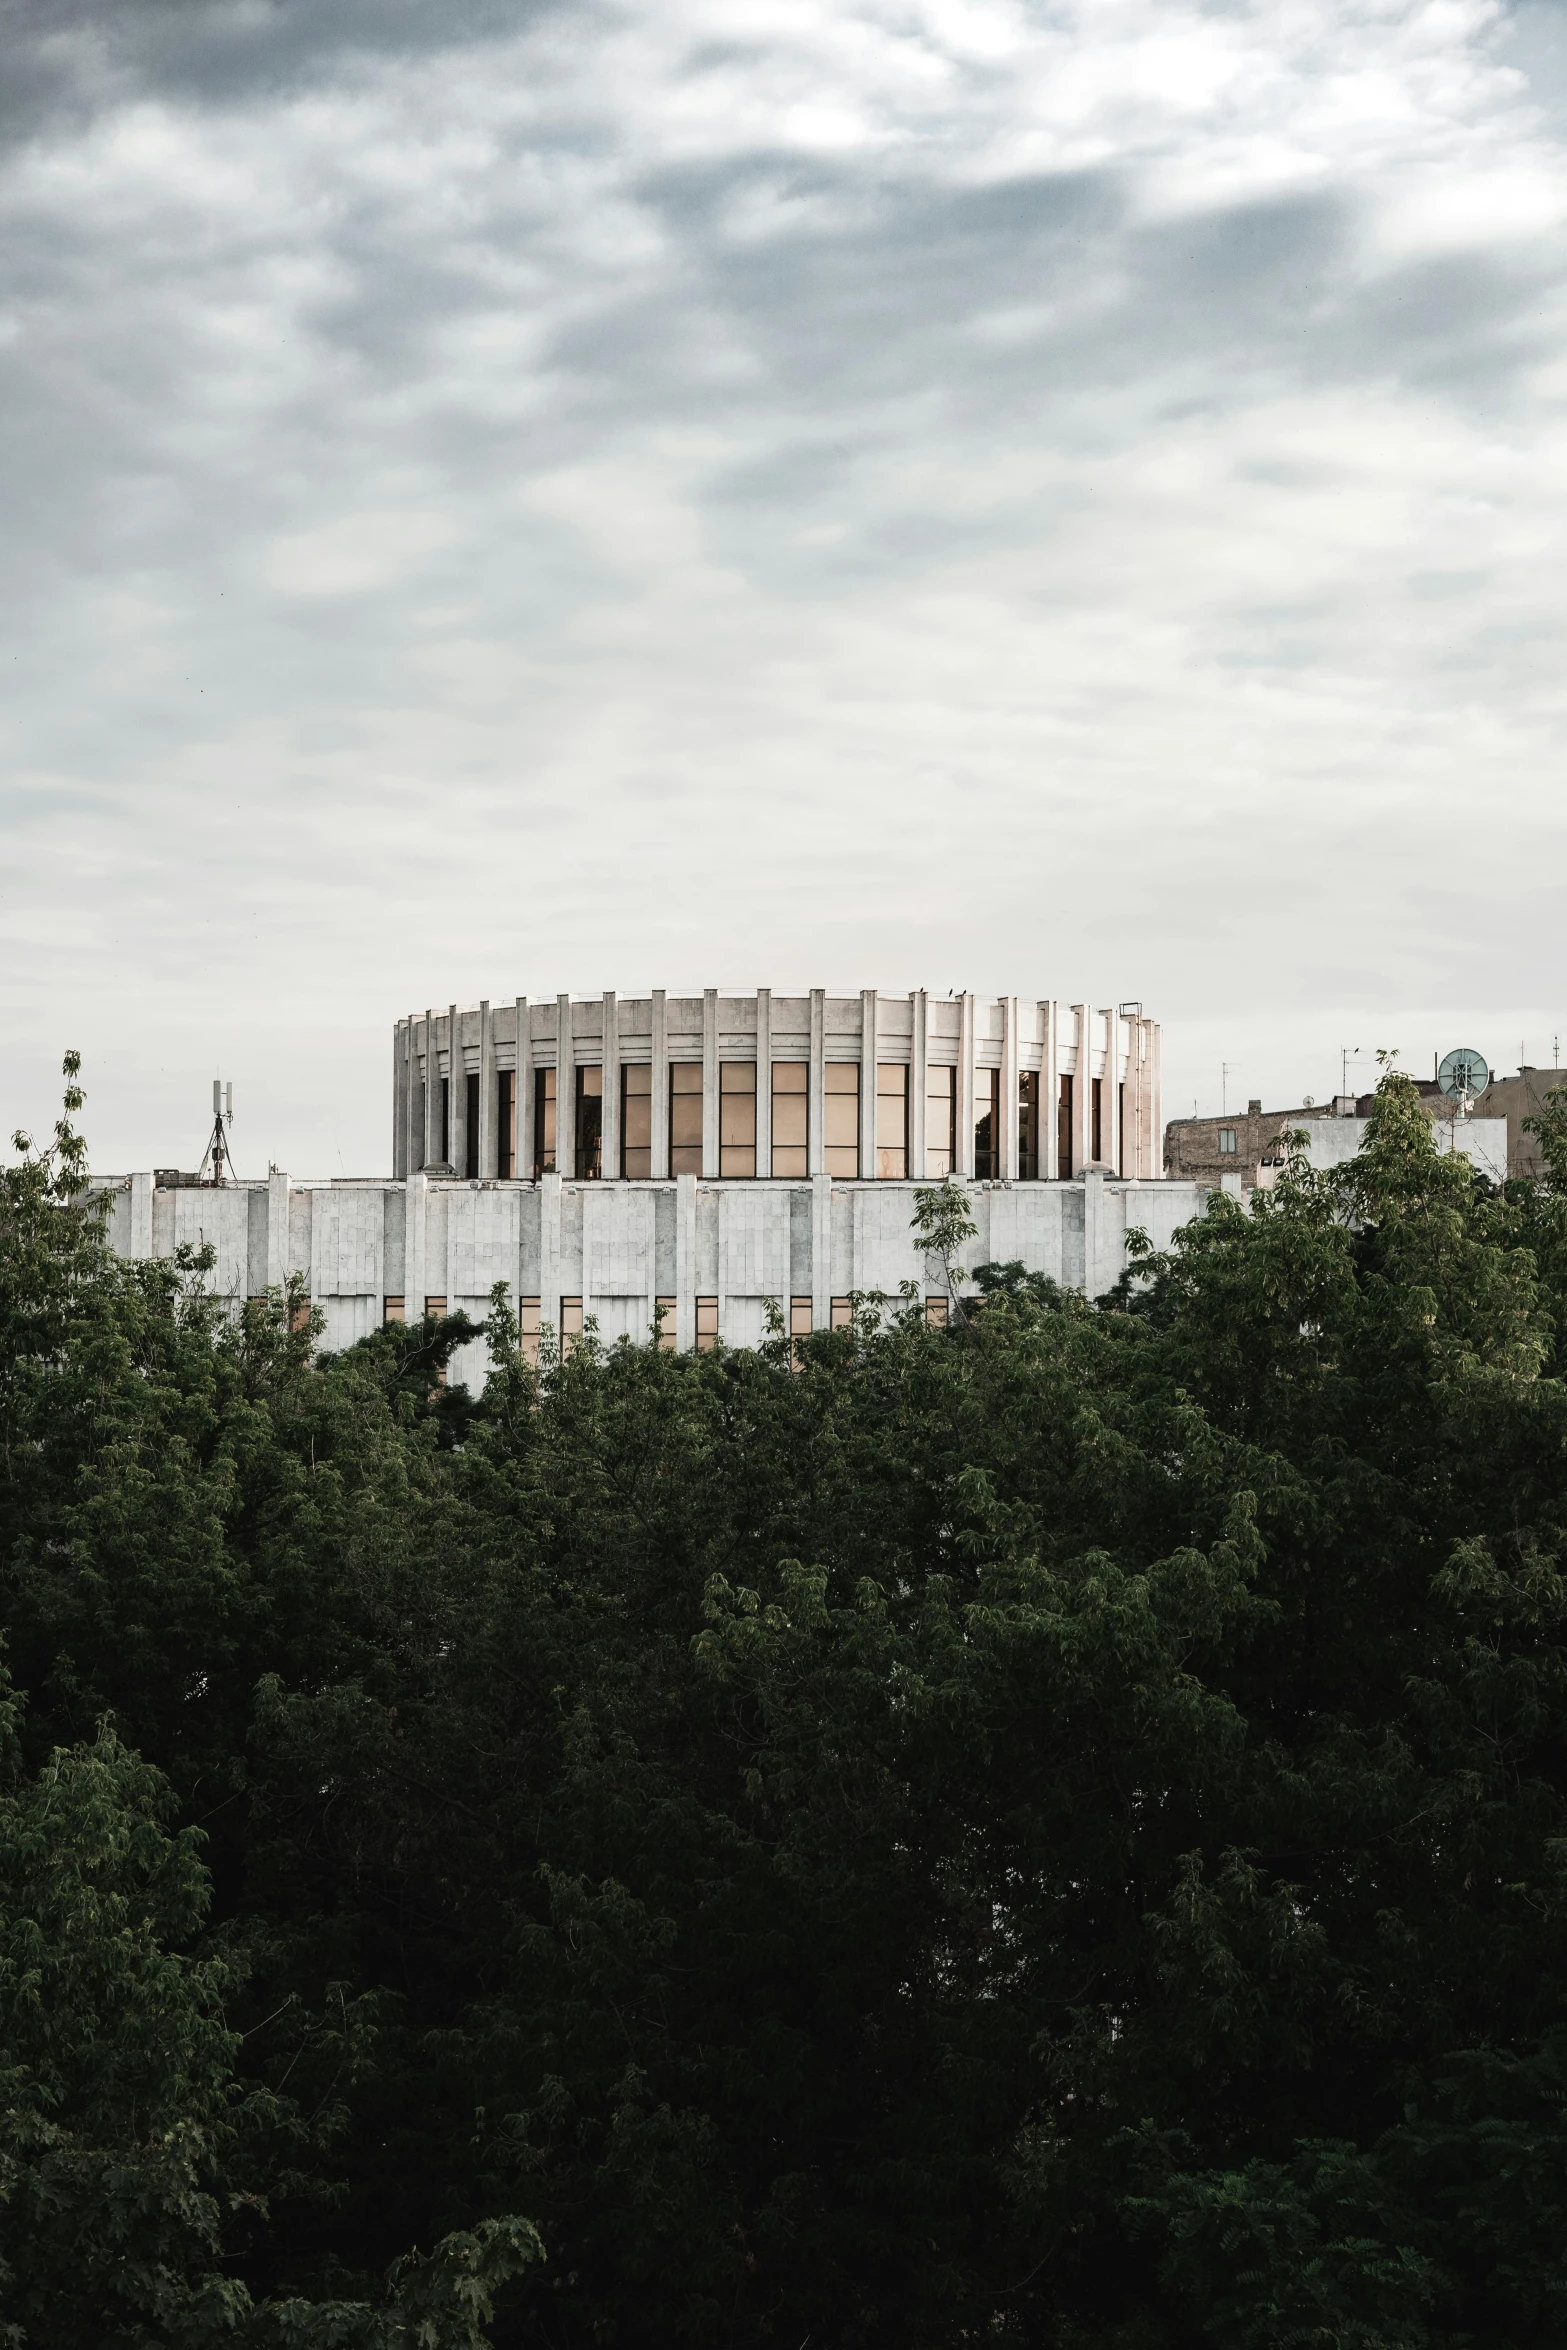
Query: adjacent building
x,y
1240,1152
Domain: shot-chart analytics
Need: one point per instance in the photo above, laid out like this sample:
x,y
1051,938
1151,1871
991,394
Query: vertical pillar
x,y
523,1105
413,1138
1155,1099
457,1097
1010,1064
821,1251
1083,1089
685,1263
1049,1084
1111,1153
432,1094
565,1090
278,1188
399,1099
487,1159
609,1111
549,1243
141,1215
709,1081
764,1081
415,1284
816,1100
867,1081
660,1024
965,1153
919,1065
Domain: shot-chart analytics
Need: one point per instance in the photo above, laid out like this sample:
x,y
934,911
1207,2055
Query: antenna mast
x,y
218,1165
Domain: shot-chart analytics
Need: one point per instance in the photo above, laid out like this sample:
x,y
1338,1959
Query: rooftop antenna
x,y
1347,1053
1224,1089
217,1165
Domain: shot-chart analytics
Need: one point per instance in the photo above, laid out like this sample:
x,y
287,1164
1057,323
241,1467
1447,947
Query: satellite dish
x,y
1463,1070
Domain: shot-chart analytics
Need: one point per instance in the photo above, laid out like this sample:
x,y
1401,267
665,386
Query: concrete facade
x,y
719,1252
1514,1099
466,1082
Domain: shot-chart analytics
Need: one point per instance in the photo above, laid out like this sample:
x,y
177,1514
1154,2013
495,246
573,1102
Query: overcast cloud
x,y
1063,498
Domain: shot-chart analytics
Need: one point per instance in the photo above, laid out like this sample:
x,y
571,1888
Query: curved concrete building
x,y
765,1088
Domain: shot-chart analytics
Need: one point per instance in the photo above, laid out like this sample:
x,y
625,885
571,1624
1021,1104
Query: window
x,y
737,1117
391,1309
570,1324
842,1310
1028,1125
800,1322
446,1122
841,1119
706,1324
434,1308
636,1119
667,1308
529,1326
941,1122
543,1121
470,1136
987,1123
1065,1159
590,1125
936,1313
1226,1139
685,1117
1096,1120
506,1121
791,1112
892,1122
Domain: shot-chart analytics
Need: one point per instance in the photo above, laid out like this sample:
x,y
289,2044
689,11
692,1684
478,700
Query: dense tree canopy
x,y
1052,1830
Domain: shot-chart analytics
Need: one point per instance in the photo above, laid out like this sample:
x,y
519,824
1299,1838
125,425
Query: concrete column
x,y
524,1103
1094,1216
590,1199
431,1147
867,1081
278,1188
660,1048
457,1098
918,1070
764,1081
821,1251
966,1085
1083,1090
1111,1153
685,1262
141,1215
816,1099
1155,1099
549,1250
399,1098
413,1137
565,1090
709,1081
1049,1086
610,1111
1010,1064
487,1160
415,1284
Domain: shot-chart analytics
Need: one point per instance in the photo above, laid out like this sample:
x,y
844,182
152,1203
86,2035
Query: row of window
x,y
737,1087
530,1320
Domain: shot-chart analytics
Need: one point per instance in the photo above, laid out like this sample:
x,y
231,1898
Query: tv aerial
x,y
218,1165
1463,1071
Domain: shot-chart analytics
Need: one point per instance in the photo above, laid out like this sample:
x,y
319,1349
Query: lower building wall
x,y
720,1252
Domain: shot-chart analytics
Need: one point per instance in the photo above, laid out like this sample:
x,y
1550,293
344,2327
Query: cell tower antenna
x,y
217,1166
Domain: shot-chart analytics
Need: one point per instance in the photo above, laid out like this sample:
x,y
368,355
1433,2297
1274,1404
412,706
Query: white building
x,y
711,1156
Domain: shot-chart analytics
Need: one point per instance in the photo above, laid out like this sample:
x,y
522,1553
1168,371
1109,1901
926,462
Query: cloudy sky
x,y
1061,496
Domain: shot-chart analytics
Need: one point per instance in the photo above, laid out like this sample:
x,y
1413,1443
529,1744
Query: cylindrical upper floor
x,y
867,1088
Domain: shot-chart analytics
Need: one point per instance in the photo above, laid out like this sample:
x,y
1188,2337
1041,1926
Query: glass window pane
x,y
892,1122
791,1077
590,1125
842,1313
843,1077
685,1077
543,1121
706,1324
841,1119
737,1158
1028,1125
737,1076
789,1158
941,1122
636,1121
685,1119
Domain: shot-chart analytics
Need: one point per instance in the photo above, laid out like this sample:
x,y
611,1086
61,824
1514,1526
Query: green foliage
x,y
1053,1830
